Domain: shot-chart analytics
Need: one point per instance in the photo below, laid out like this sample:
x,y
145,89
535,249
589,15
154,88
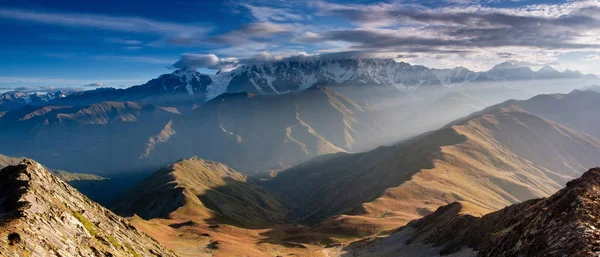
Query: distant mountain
x,y
210,190
251,133
494,158
42,215
186,88
573,110
256,133
109,133
17,99
293,76
6,161
564,224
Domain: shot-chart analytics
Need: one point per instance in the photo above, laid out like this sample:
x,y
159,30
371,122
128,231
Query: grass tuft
x,y
113,241
86,223
131,251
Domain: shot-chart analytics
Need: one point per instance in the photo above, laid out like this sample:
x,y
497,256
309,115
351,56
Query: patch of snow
x,y
219,85
255,85
189,89
308,81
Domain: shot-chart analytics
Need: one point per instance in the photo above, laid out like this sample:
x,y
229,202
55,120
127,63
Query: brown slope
x,y
44,216
491,160
208,191
6,161
204,208
564,224
572,110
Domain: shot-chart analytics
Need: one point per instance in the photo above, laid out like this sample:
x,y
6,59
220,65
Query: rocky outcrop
x,y
41,215
564,224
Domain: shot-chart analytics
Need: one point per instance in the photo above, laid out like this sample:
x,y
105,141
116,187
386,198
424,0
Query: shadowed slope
x,y
203,190
112,134
333,184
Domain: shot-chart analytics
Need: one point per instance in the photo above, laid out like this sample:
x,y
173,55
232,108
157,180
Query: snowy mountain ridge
x,y
280,77
292,76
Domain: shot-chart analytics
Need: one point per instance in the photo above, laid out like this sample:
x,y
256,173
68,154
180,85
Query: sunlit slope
x,y
41,215
491,160
575,110
5,161
563,224
203,191
203,208
92,186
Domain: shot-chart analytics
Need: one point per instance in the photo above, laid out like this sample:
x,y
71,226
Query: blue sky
x,y
124,43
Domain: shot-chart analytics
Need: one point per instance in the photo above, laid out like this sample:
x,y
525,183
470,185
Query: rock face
x,y
564,224
41,215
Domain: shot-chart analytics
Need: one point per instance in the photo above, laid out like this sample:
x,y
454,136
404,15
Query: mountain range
x,y
186,88
306,158
500,156
335,203
251,133
443,188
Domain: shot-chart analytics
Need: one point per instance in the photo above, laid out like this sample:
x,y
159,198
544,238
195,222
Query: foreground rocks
x,y
564,224
41,215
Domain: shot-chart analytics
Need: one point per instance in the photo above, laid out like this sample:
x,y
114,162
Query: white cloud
x,y
143,59
121,41
263,13
115,23
591,57
95,84
209,61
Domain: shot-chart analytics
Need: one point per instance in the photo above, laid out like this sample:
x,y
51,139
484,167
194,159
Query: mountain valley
x,y
338,205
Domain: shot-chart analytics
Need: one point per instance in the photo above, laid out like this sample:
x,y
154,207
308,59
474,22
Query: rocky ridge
x,y
564,224
41,215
